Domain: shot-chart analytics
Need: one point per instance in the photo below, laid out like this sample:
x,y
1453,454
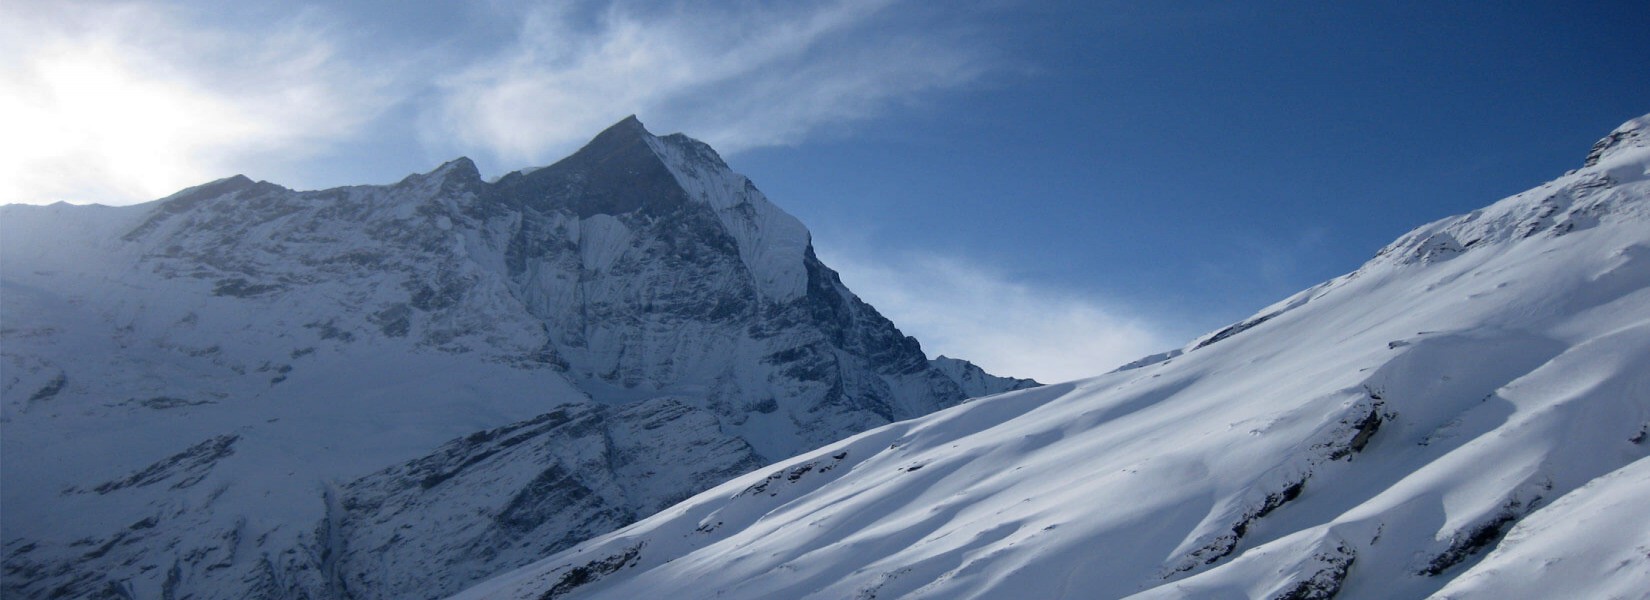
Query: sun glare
x,y
94,116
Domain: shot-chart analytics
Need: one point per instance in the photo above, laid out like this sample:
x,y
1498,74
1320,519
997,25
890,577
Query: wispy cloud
x,y
737,75
123,102
1007,327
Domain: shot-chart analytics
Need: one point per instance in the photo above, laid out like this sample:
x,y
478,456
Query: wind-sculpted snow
x,y
1465,416
247,391
1592,543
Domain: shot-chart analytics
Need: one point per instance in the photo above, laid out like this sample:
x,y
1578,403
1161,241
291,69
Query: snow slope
x,y
246,391
1465,415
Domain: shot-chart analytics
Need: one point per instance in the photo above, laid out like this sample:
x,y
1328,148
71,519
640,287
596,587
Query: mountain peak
x,y
623,137
214,188
627,129
460,172
617,172
462,163
461,168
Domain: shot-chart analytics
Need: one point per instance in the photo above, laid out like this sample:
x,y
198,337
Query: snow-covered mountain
x,y
246,391
1465,416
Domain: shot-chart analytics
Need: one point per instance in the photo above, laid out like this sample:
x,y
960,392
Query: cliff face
x,y
390,391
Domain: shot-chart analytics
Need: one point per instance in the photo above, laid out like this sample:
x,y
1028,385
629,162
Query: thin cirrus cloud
x,y
737,77
128,101
1007,327
124,102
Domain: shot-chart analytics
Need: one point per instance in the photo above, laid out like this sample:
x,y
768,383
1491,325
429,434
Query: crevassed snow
x,y
1479,388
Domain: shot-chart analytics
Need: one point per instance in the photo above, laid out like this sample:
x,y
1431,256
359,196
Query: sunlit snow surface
x,y
1466,415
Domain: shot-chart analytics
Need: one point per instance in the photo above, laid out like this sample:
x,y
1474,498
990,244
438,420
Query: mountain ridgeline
x,y
1467,415
245,391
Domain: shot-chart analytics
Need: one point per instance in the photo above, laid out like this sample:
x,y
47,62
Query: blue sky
x,y
1049,188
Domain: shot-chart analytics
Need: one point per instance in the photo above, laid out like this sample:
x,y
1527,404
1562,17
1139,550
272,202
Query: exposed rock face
x,y
235,391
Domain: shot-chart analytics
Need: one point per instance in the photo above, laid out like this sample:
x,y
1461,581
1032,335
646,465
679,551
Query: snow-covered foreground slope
x,y
1481,387
246,391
